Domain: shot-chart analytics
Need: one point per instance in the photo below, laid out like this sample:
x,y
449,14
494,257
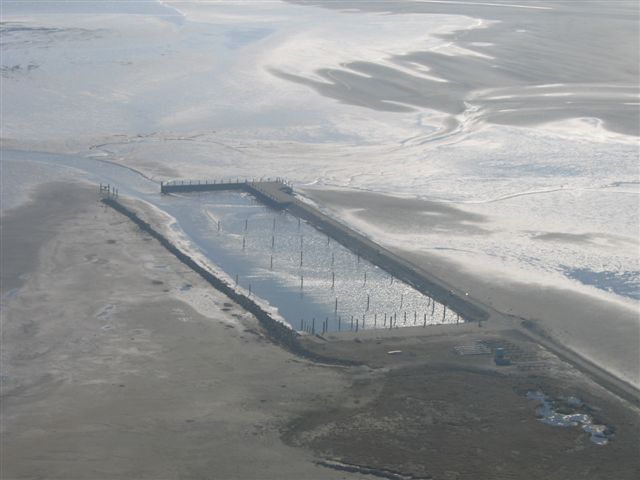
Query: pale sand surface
x,y
106,373
607,333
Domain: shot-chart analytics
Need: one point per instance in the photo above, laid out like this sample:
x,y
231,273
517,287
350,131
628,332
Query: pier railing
x,y
276,193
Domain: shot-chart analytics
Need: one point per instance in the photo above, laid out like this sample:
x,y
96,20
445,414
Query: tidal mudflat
x,y
108,339
492,144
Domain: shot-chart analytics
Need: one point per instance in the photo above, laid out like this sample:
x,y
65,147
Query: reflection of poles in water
x,y
457,318
351,322
273,241
365,279
246,224
425,320
433,307
249,290
385,320
274,224
333,279
336,306
375,320
298,224
244,242
339,323
313,326
404,322
368,302
333,258
218,225
444,313
301,282
363,321
415,317
271,263
401,300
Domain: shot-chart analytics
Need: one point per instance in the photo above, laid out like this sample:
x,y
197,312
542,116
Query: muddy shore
x,y
120,362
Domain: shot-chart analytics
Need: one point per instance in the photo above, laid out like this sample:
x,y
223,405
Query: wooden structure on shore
x,y
277,193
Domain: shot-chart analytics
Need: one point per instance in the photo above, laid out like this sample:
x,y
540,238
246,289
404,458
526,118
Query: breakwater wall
x,y
278,194
390,262
278,332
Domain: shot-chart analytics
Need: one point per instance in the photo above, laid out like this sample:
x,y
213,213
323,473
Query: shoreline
x,y
290,339
281,334
111,348
101,346
573,319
